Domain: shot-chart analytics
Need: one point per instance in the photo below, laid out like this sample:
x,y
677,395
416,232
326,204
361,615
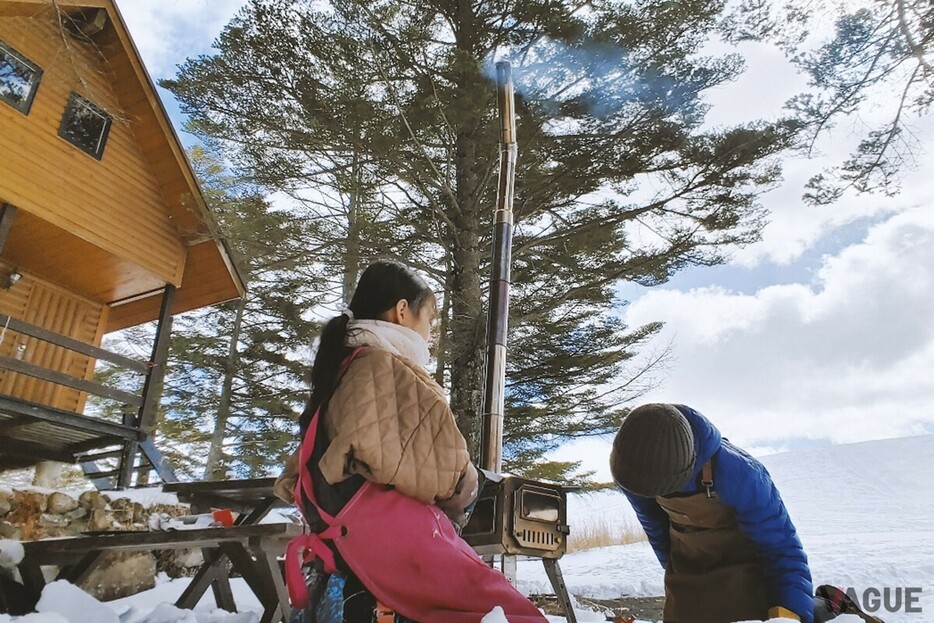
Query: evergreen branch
x,y
913,45
446,188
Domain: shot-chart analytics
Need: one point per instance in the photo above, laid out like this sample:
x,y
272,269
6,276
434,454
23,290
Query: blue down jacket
x,y
744,484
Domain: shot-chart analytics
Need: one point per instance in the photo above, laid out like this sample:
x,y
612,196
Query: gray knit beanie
x,y
653,453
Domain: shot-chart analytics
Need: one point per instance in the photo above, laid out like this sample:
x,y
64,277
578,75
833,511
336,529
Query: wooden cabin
x,y
102,227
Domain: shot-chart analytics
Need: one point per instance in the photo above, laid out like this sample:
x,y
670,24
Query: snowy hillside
x,y
863,511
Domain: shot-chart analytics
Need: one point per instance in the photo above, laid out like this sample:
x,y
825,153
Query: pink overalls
x,y
405,552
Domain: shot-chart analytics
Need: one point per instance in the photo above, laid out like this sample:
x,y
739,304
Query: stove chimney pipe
x,y
491,440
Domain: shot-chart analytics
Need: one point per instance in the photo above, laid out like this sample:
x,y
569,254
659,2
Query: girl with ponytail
x,y
391,306
383,474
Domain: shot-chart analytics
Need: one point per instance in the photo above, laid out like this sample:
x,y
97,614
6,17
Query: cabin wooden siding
x,y
46,305
116,203
63,258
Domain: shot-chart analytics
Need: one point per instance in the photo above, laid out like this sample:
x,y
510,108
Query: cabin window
x,y
85,126
19,79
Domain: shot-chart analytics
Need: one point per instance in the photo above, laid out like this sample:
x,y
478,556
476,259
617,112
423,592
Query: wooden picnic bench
x,y
252,550
252,498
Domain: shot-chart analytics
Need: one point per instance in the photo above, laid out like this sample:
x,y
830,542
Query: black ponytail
x,y
383,284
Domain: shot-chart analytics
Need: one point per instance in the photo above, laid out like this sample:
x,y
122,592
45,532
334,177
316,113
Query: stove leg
x,y
560,588
509,568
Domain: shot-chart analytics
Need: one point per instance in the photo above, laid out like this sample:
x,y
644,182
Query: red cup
x,y
223,517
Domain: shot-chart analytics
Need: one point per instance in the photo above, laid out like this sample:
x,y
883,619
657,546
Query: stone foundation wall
x,y
28,514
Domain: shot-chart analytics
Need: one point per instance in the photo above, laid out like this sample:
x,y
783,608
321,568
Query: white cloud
x,y
794,226
166,32
847,358
761,92
767,82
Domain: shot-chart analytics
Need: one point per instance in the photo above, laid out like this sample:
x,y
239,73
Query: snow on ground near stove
x,y
863,511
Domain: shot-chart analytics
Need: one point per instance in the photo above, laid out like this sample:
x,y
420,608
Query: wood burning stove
x,y
519,517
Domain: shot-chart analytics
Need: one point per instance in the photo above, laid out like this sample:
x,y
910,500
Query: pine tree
x,y
618,177
236,380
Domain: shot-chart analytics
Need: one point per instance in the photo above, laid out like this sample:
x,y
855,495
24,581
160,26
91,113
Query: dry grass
x,y
604,532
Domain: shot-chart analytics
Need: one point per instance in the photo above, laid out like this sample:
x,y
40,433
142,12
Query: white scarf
x,y
390,336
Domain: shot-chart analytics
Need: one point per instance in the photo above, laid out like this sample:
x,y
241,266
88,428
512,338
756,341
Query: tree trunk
x,y
352,254
467,318
441,348
214,470
467,345
48,474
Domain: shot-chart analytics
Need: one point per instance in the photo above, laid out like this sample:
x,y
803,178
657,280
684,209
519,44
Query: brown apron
x,y
714,572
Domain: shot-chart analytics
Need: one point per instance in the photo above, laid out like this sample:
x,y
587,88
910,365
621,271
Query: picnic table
x,y
251,548
252,498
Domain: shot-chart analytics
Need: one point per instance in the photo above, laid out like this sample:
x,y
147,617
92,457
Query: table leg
x,y
243,563
79,572
214,574
33,580
268,562
250,563
13,599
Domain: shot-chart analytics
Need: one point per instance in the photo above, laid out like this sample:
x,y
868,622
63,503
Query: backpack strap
x,y
308,547
305,485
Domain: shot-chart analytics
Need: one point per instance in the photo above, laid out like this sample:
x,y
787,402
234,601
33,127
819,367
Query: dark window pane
x,y
19,78
85,126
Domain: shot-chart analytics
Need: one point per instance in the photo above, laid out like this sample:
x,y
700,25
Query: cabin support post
x,y
128,457
160,354
152,389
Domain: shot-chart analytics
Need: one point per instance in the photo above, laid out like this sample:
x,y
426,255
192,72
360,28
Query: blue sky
x,y
822,332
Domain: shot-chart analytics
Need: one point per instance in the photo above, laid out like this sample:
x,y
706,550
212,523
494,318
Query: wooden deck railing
x,y
138,413
61,378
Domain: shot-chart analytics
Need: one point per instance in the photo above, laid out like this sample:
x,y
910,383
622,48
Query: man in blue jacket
x,y
714,519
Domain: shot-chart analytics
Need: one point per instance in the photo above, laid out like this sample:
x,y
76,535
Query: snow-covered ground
x,y
863,512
